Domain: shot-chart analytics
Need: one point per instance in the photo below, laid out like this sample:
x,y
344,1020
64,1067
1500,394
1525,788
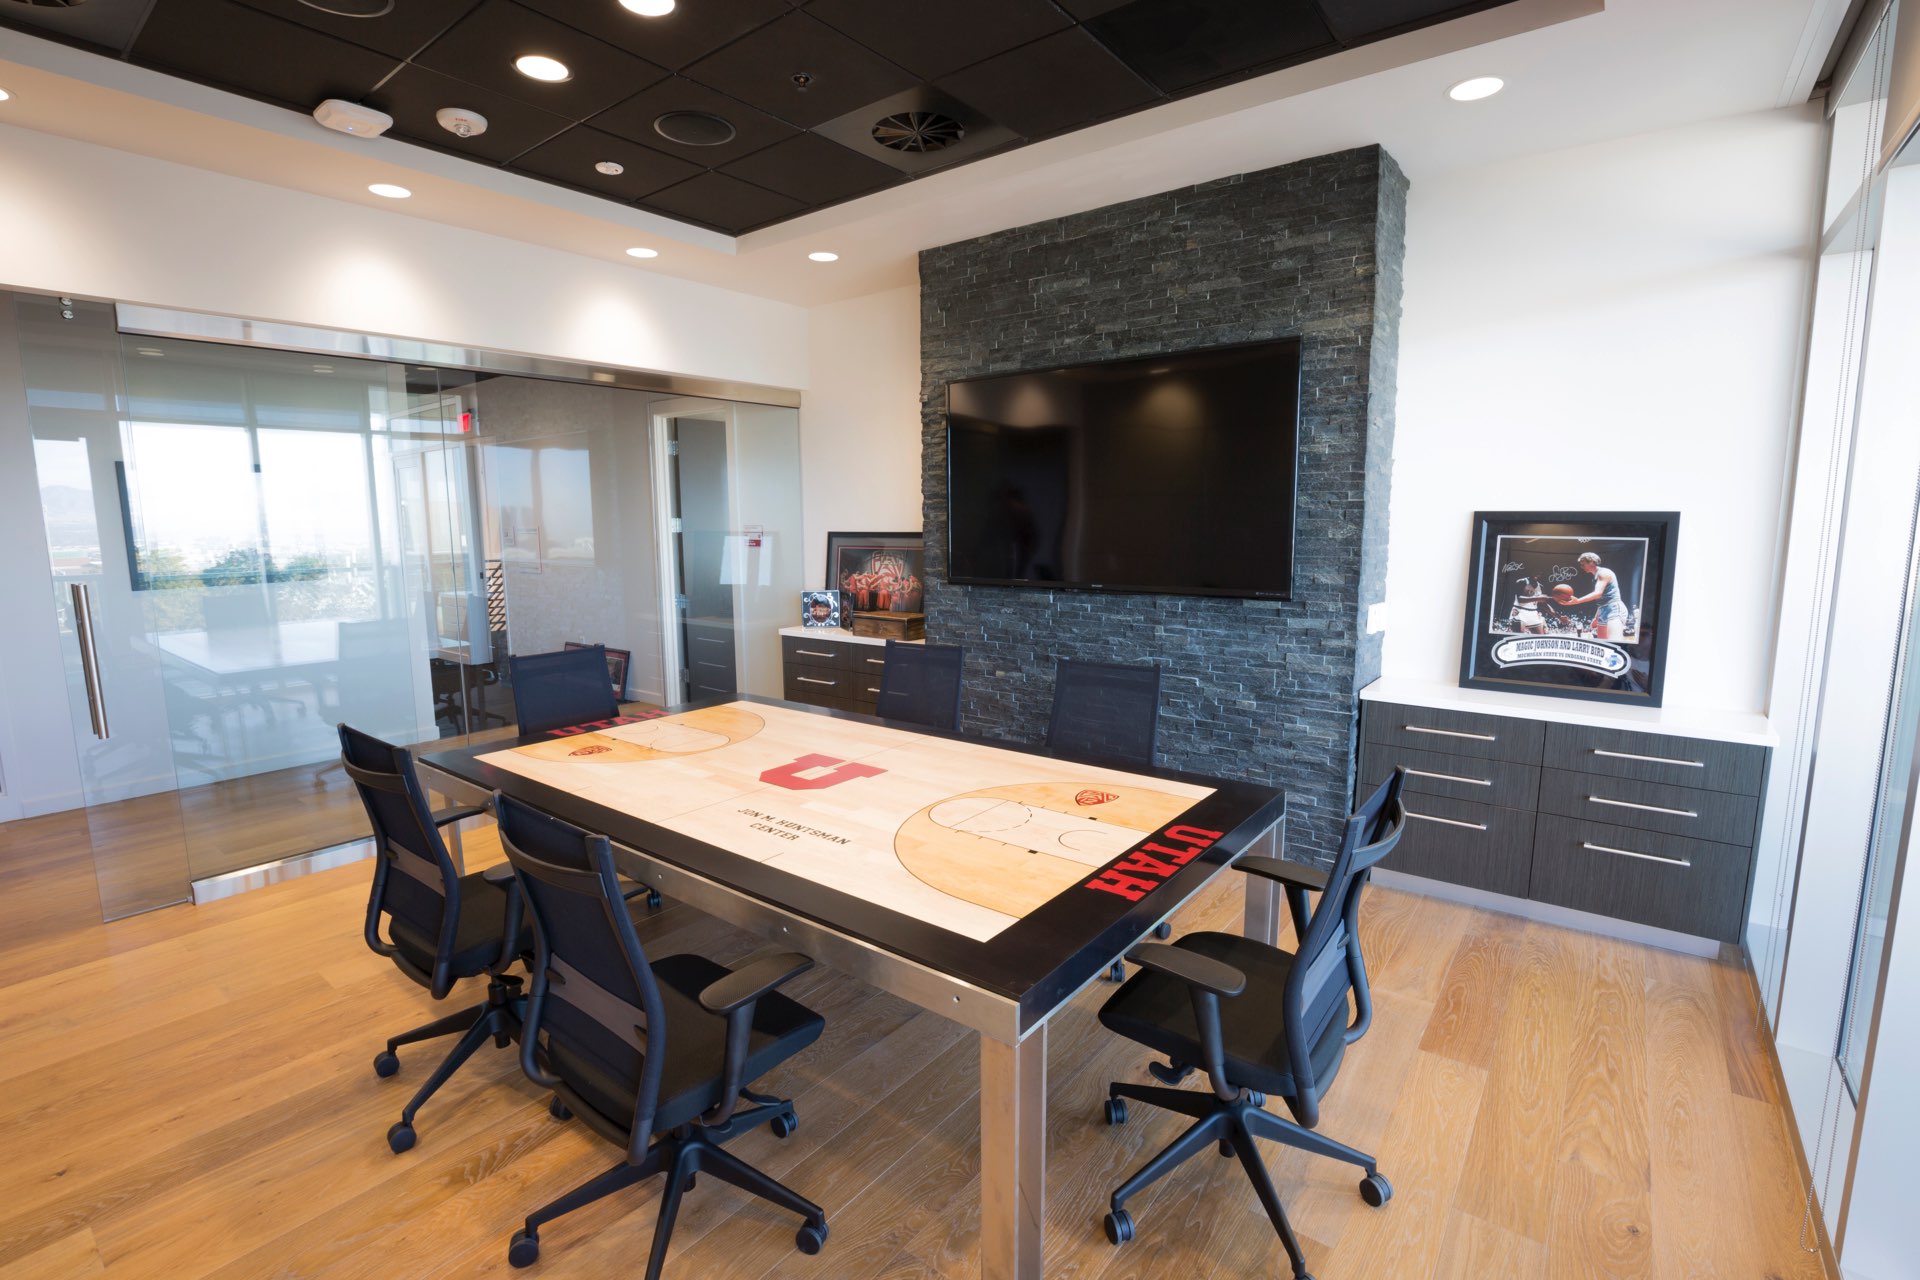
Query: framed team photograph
x,y
819,608
618,660
877,572
1573,605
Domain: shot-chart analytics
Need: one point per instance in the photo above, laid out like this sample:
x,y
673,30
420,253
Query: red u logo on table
x,y
789,775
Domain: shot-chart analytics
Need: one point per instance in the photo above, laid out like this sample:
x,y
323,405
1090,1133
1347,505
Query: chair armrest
x,y
441,817
499,875
1295,874
745,985
1190,967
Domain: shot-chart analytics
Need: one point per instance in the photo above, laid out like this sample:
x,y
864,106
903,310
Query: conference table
x,y
983,881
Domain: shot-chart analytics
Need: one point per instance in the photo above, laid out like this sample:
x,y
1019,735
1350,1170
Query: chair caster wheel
x,y
400,1137
385,1064
525,1249
653,899
1116,1110
784,1124
1163,931
1119,1226
1375,1190
810,1237
1117,972
558,1109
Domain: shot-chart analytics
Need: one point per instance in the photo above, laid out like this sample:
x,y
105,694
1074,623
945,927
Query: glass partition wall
x,y
250,546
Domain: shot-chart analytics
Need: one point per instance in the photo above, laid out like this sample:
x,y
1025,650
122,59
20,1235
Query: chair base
x,y
682,1155
1234,1125
497,1020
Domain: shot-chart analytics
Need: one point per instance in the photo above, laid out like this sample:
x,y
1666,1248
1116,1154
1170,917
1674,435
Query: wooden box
x,y
893,626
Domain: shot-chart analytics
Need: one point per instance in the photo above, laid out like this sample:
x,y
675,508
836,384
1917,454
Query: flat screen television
x,y
1172,474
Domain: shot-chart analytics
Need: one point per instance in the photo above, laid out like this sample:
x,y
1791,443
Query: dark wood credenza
x,y
1653,827
830,667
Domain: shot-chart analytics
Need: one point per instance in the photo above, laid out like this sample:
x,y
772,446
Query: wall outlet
x,y
1376,618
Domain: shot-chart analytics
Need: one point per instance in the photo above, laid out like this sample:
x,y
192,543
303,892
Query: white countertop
x,y
1747,727
836,633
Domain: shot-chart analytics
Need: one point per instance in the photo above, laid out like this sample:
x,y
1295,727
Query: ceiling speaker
x,y
352,8
918,131
694,128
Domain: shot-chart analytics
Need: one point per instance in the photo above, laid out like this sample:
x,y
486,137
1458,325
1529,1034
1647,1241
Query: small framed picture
x,y
618,660
1573,605
819,608
878,572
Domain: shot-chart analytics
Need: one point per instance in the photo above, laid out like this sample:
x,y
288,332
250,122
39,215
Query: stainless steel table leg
x,y
1013,1156
1263,895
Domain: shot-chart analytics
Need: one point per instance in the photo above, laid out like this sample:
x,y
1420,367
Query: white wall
x,y
85,219
860,423
1609,327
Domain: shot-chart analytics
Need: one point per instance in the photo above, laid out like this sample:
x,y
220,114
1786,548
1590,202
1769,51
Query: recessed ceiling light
x,y
4,95
648,8
637,252
1477,88
391,190
612,168
823,256
540,67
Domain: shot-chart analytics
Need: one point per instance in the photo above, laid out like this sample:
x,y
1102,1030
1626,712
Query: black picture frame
x,y
820,609
878,572
1541,619
618,660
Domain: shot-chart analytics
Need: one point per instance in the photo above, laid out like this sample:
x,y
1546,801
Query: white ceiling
x,y
1576,73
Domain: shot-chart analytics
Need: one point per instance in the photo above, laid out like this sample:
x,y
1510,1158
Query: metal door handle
x,y
1648,808
1452,733
1630,853
1452,822
82,597
1628,755
1450,777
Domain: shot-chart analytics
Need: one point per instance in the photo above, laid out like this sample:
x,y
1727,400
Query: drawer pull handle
x,y
719,665
1628,755
1452,822
877,662
710,640
1452,733
874,689
812,653
1450,777
1646,808
811,680
1630,853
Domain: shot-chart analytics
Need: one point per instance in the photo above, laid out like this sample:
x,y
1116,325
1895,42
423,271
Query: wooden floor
x,y
189,1093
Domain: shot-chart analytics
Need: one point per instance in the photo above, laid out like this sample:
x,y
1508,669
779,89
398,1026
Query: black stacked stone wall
x,y
1251,689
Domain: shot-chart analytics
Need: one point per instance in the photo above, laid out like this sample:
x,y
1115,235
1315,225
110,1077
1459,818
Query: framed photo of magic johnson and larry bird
x,y
1572,605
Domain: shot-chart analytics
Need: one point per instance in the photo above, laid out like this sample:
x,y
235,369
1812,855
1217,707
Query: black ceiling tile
x,y
87,26
570,158
244,50
760,69
692,31
634,119
1052,84
482,48
814,170
1178,44
399,33
720,201
1354,21
1084,9
931,39
413,96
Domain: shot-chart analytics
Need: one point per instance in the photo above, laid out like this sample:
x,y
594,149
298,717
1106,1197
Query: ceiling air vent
x,y
918,131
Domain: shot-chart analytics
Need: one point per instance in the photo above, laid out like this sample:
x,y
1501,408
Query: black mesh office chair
x,y
652,1055
1104,712
562,688
1259,1021
921,684
441,926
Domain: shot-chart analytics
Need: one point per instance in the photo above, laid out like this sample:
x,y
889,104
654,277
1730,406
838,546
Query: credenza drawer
x,y
1721,816
821,688
1432,773
1459,733
1655,757
804,651
1670,882
1482,845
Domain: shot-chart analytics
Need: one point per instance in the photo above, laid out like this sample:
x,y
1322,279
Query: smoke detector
x,y
461,121
351,117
